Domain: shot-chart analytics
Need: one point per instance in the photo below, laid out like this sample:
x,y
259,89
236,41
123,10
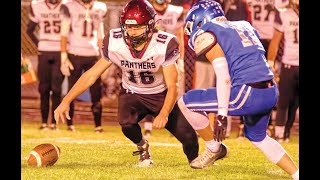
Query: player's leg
x,y
241,129
95,92
255,131
130,112
285,93
179,127
294,102
291,118
44,73
257,124
199,101
56,86
148,125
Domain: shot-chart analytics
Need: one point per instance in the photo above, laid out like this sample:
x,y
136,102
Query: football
x,y
44,155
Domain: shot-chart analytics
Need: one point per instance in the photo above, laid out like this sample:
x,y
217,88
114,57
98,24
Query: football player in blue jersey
x,y
245,85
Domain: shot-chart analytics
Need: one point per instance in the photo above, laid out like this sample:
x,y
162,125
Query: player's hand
x,y
62,112
272,65
220,128
66,64
160,121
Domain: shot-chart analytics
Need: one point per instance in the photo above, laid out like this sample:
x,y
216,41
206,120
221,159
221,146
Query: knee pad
x,y
271,148
198,120
96,107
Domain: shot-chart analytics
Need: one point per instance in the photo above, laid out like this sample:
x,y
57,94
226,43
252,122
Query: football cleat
x,y
71,128
144,155
208,157
98,129
44,127
54,127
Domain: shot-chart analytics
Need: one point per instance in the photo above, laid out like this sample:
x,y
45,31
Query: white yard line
x,y
90,141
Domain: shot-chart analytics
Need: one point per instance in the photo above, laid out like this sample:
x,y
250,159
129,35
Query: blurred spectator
x,y
83,31
286,26
45,15
236,10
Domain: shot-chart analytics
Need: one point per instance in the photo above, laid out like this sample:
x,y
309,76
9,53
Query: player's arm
x,y
170,74
85,81
66,64
100,32
65,27
206,46
275,41
31,26
274,47
180,35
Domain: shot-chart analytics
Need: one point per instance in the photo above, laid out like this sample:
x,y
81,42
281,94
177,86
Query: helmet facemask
x,y
135,41
53,1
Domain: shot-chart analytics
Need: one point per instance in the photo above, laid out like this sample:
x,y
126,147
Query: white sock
x,y
148,126
213,145
279,131
295,176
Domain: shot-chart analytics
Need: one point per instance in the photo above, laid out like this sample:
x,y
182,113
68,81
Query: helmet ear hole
x,y
199,24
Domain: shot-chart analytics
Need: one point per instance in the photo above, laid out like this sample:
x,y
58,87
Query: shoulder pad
x,y
204,42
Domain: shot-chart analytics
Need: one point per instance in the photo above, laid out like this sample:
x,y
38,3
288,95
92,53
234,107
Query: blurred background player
x,y
169,18
45,15
245,85
147,58
286,24
82,32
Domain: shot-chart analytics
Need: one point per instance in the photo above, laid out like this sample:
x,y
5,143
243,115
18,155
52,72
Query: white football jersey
x,y
47,16
287,21
171,19
262,17
82,38
143,74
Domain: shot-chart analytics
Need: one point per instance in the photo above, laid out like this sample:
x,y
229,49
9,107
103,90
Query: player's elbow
x,y
174,88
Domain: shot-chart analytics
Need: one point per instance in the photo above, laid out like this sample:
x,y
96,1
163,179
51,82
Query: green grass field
x,y
88,155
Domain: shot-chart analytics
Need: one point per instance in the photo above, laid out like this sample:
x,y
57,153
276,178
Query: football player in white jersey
x,y
147,58
82,32
286,25
169,18
45,15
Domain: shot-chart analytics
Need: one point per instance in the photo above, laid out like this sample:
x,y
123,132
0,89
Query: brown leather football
x,y
44,155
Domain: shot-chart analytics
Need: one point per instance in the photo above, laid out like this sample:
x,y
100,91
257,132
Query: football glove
x,y
220,128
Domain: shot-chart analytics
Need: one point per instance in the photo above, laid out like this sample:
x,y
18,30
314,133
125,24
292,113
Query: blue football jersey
x,y
242,48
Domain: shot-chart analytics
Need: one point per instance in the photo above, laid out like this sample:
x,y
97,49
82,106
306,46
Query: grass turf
x,y
88,155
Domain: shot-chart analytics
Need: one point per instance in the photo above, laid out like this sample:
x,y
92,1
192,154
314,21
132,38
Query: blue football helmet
x,y
200,13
